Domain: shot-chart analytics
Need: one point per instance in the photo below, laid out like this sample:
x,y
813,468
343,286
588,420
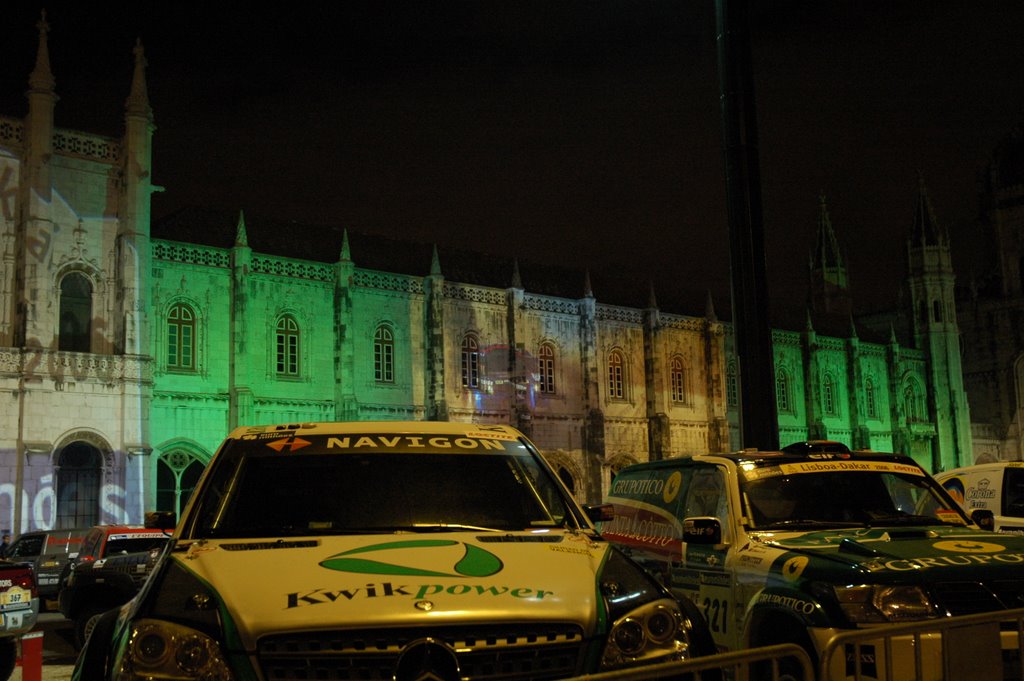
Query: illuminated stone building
x,y
992,311
129,348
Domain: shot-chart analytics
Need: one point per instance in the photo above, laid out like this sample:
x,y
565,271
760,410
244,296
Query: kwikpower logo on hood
x,y
474,561
437,558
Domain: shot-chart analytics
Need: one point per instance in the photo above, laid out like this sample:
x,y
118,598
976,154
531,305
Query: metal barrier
x,y
737,663
943,649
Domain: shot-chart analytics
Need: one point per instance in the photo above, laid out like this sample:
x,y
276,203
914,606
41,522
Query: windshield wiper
x,y
448,527
904,519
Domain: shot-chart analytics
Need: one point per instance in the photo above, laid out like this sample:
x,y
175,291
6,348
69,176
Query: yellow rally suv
x,y
390,550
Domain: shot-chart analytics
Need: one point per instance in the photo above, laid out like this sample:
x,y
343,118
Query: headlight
x,y
163,650
653,632
868,603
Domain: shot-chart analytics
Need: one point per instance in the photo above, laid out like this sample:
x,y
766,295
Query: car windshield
x,y
130,544
387,484
843,494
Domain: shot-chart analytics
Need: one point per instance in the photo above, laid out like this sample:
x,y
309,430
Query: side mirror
x,y
161,520
601,513
702,530
986,520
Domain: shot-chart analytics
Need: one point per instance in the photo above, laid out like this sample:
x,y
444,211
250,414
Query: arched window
x,y
828,395
287,335
937,310
470,361
616,376
732,388
871,401
78,485
677,380
177,474
546,368
75,313
181,333
913,405
383,355
782,390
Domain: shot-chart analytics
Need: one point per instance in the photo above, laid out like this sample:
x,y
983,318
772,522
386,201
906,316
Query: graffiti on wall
x,y
39,506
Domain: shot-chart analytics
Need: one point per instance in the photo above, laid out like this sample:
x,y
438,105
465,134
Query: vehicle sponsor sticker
x,y
855,466
415,558
794,567
832,466
15,598
136,535
962,546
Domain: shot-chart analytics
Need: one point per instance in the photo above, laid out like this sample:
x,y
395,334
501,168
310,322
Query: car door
x,y
709,582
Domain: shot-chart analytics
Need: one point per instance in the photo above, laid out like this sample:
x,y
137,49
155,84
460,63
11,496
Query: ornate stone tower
x,y
936,332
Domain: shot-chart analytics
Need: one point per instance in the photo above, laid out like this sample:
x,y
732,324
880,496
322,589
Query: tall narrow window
x,y
287,346
870,400
79,470
181,331
383,355
75,313
828,395
546,368
782,390
912,403
616,376
470,362
732,388
677,376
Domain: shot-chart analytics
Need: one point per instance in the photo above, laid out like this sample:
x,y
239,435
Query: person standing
x,y
5,545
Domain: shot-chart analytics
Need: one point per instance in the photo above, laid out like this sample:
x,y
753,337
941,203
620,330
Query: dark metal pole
x,y
751,327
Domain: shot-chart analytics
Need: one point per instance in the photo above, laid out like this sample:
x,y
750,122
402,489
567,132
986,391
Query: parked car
x,y
110,567
19,609
996,488
398,550
796,545
48,551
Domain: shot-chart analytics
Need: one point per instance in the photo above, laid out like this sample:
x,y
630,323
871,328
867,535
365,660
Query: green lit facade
x,y
127,352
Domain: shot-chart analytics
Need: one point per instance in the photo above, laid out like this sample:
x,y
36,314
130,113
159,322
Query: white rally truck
x,y
389,550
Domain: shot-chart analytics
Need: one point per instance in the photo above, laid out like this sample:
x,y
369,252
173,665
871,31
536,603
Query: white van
x,y
996,487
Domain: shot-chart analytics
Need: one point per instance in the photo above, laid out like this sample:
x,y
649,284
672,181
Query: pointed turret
x,y
709,308
39,134
41,78
346,253
652,300
137,103
241,235
517,281
926,230
588,290
435,263
829,289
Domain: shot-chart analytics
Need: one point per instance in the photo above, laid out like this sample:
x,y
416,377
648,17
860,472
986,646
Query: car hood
x,y
917,550
268,586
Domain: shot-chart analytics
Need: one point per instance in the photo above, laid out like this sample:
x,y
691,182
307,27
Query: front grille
x,y
506,652
969,598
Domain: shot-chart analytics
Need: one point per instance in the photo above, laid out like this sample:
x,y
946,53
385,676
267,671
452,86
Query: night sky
x,y
585,134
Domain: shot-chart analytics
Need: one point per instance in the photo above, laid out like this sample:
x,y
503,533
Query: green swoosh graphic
x,y
475,562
